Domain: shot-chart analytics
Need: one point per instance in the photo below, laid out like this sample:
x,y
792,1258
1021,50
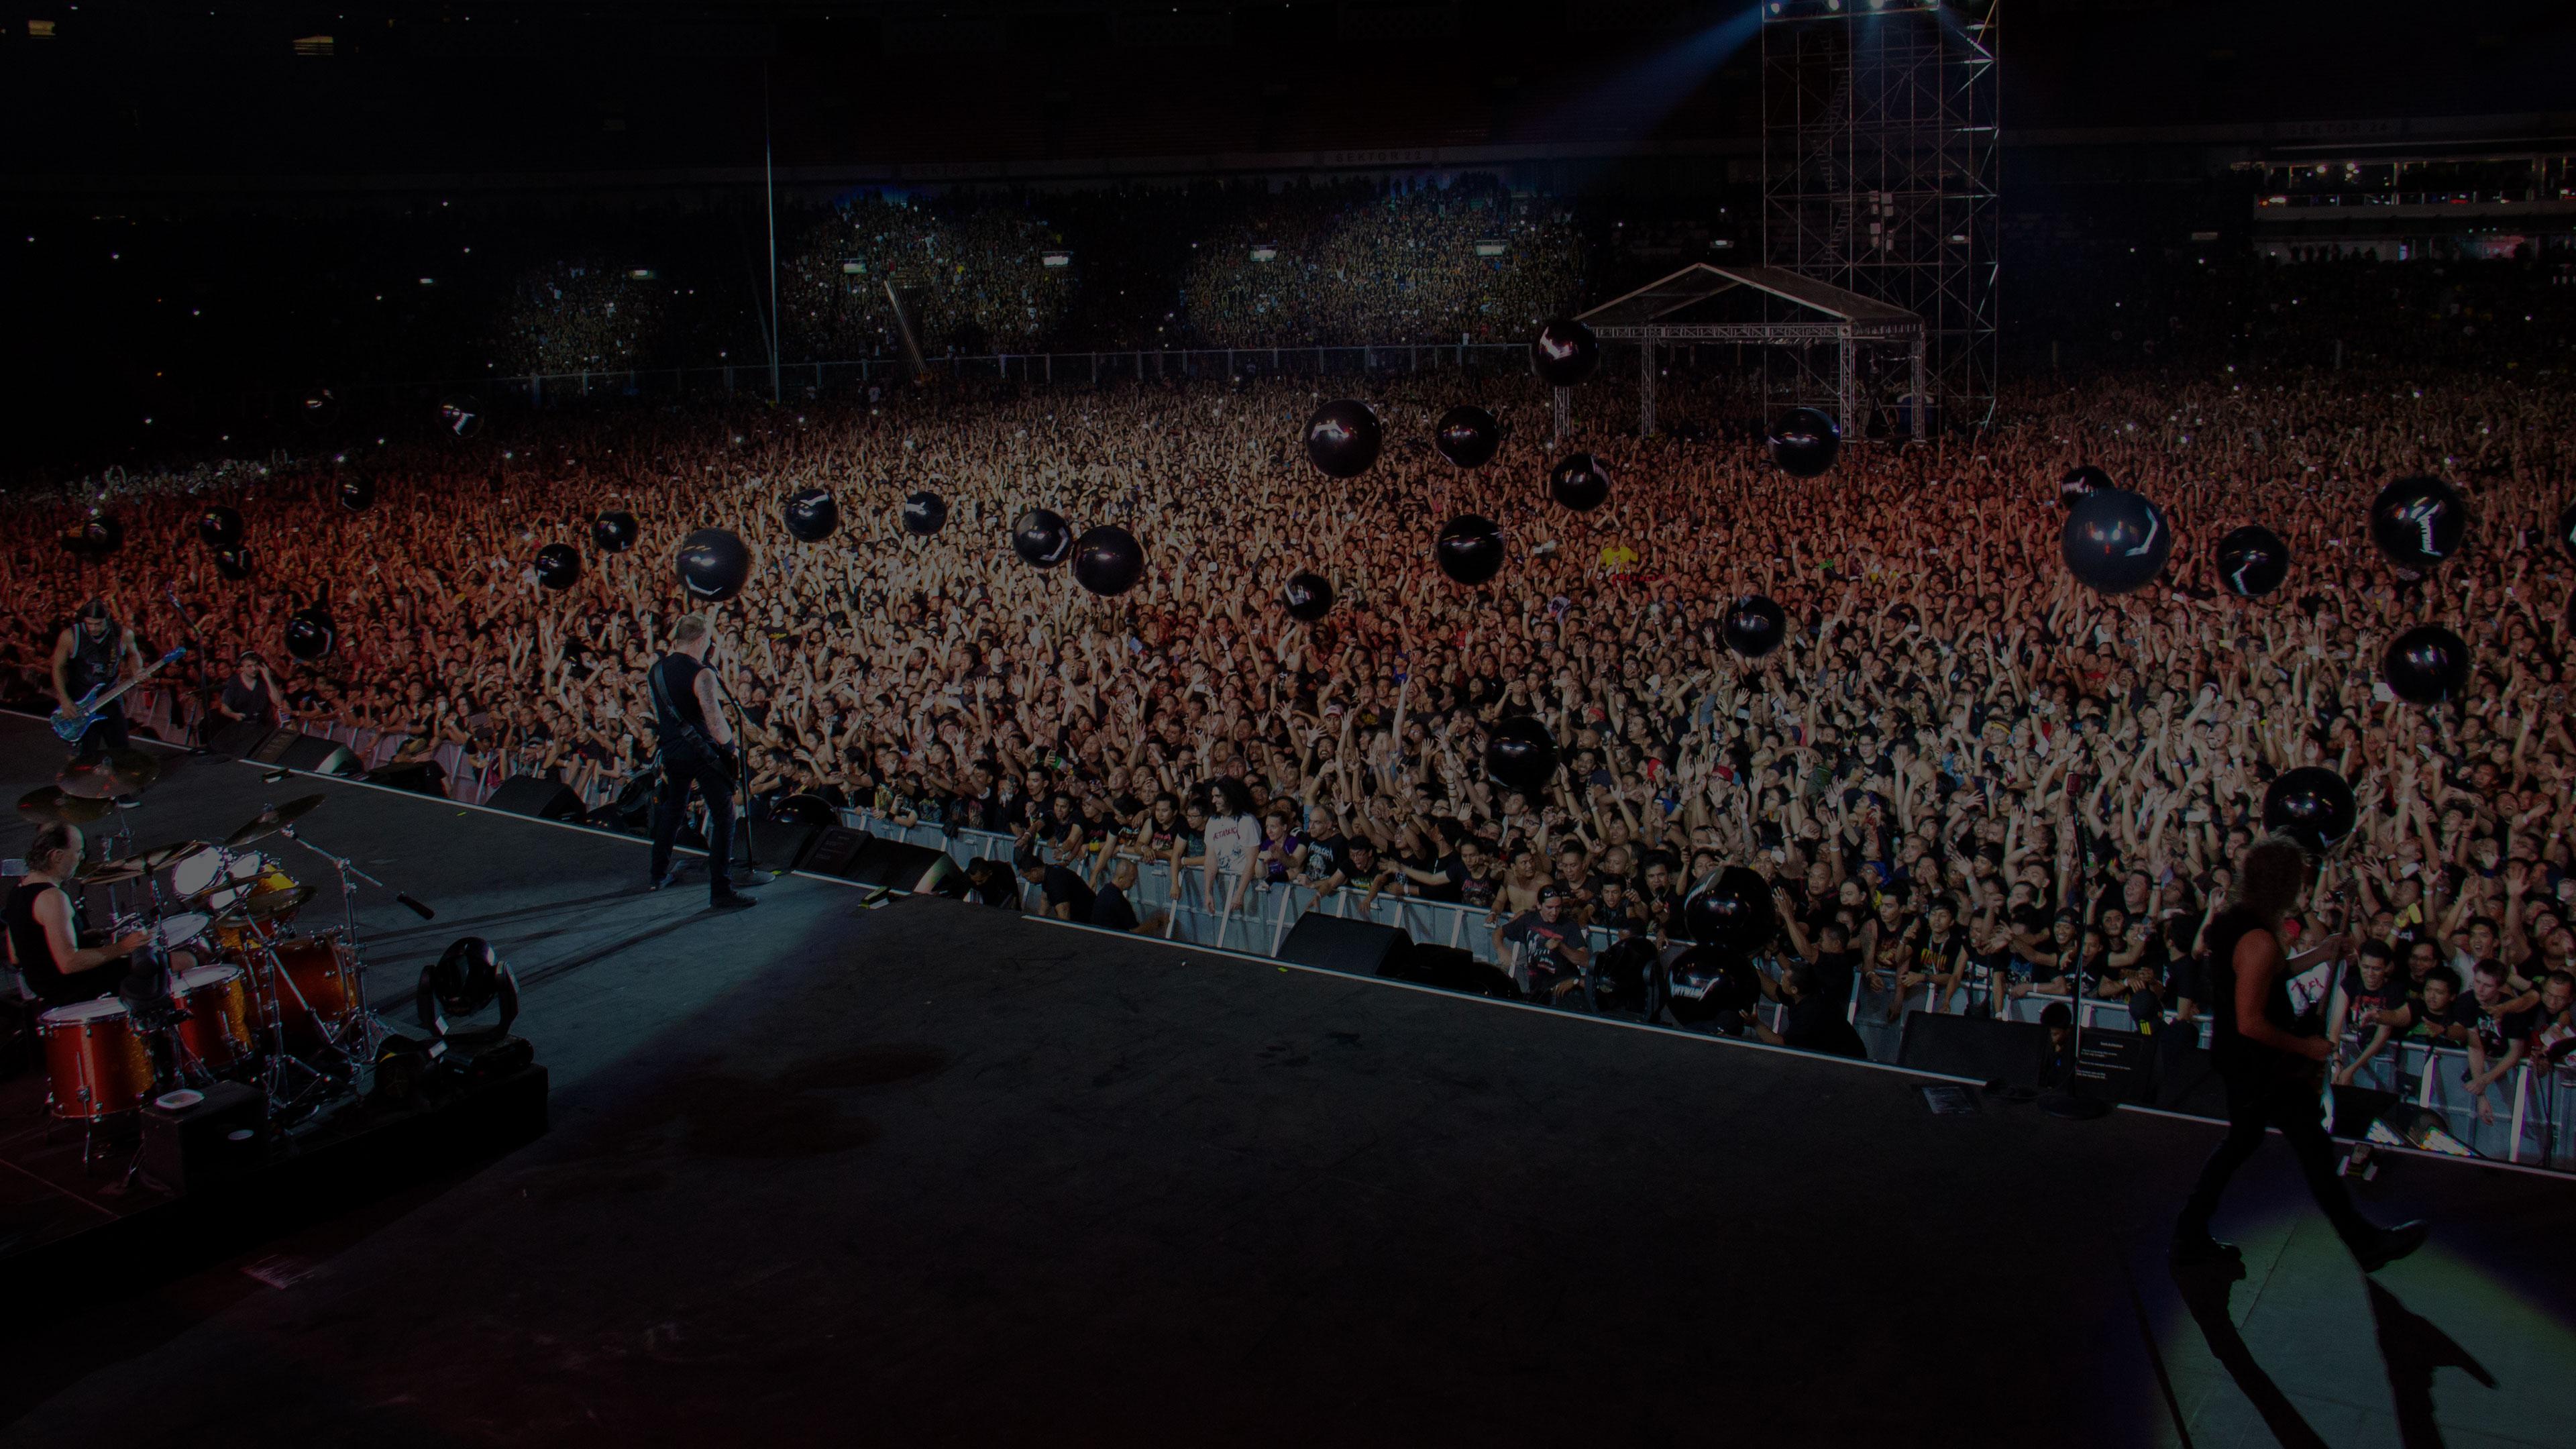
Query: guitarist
x,y
696,749
96,651
2269,1044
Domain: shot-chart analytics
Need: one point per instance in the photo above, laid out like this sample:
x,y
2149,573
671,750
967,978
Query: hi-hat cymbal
x,y
52,805
266,904
106,775
272,820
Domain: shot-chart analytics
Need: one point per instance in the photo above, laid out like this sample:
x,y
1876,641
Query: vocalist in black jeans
x,y
696,750
2271,1050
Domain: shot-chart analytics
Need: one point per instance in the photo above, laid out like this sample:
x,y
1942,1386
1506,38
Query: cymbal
x,y
163,855
266,904
53,806
111,872
106,775
272,820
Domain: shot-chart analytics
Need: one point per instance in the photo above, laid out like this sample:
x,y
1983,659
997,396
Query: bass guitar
x,y
73,720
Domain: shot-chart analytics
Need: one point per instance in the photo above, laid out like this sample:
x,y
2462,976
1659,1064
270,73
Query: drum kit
x,y
249,993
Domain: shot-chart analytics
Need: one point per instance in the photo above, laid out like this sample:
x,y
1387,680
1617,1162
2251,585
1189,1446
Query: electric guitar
x,y
73,720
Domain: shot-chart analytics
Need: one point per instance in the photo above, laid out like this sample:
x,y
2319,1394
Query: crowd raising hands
x,y
1909,770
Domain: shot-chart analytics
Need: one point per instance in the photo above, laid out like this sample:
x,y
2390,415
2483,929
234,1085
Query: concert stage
x,y
821,1172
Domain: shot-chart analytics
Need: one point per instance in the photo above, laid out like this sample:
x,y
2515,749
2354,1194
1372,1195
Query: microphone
x,y
422,911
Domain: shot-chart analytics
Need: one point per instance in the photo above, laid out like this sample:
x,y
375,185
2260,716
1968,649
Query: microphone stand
x,y
205,681
2066,1101
721,859
350,869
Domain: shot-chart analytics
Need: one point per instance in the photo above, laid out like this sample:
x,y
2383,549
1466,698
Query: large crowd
x,y
1911,770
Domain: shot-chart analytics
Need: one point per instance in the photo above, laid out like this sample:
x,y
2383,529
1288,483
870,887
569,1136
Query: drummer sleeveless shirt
x,y
35,951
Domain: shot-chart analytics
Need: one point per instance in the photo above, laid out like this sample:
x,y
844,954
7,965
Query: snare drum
x,y
95,1066
315,981
214,1021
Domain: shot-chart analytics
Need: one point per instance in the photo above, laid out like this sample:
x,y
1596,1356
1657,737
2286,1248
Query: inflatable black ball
x,y
1521,754
811,515
1468,436
1732,914
357,494
321,408
1042,537
233,563
1309,597
614,531
460,419
96,536
1753,626
1343,438
1470,549
714,565
1107,561
1579,482
2418,522
309,634
924,514
2115,541
1804,442
2078,482
2252,561
1710,985
1564,352
558,566
220,525
2311,805
2426,665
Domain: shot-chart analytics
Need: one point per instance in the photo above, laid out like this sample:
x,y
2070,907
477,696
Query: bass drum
x,y
315,986
214,1015
95,1066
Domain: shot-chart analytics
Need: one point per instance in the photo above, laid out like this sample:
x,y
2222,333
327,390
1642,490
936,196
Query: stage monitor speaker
x,y
864,859
2187,1079
546,799
221,1137
780,844
242,738
835,850
2116,1066
305,754
411,775
1352,947
2012,1052
1454,968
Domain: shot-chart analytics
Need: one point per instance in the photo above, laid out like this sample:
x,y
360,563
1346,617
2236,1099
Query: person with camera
x,y
696,751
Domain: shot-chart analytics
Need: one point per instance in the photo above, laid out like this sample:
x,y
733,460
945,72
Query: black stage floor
x,y
929,1172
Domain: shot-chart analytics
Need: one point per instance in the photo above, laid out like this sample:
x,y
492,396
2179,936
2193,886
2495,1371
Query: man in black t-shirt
x,y
1068,897
987,882
1811,1022
1553,954
1112,906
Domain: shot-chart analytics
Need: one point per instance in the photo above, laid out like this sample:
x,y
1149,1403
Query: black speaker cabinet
x,y
207,1143
1352,947
2012,1052
531,795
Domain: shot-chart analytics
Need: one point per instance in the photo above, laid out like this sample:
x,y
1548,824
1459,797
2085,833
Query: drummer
x,y
59,970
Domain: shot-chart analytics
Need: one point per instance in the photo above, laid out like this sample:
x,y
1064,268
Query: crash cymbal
x,y
110,872
266,904
53,806
272,820
162,855
106,775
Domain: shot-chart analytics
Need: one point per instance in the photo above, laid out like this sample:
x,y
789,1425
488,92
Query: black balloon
x,y
714,565
2115,540
2311,805
2078,482
357,494
1564,352
309,634
1804,442
812,514
2426,665
1733,984
1343,438
1579,482
1042,537
558,566
1521,754
1107,561
1732,914
220,525
2418,522
614,531
1754,626
2252,561
805,808
1308,596
460,419
233,563
924,514
97,535
2567,529
1470,549
1468,436
321,409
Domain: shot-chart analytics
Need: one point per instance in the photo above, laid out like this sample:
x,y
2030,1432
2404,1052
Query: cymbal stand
x,y
348,870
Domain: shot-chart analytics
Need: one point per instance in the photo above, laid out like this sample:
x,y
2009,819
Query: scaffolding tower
x,y
1879,149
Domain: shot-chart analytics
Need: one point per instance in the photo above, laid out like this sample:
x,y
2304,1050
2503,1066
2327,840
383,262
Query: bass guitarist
x,y
96,651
